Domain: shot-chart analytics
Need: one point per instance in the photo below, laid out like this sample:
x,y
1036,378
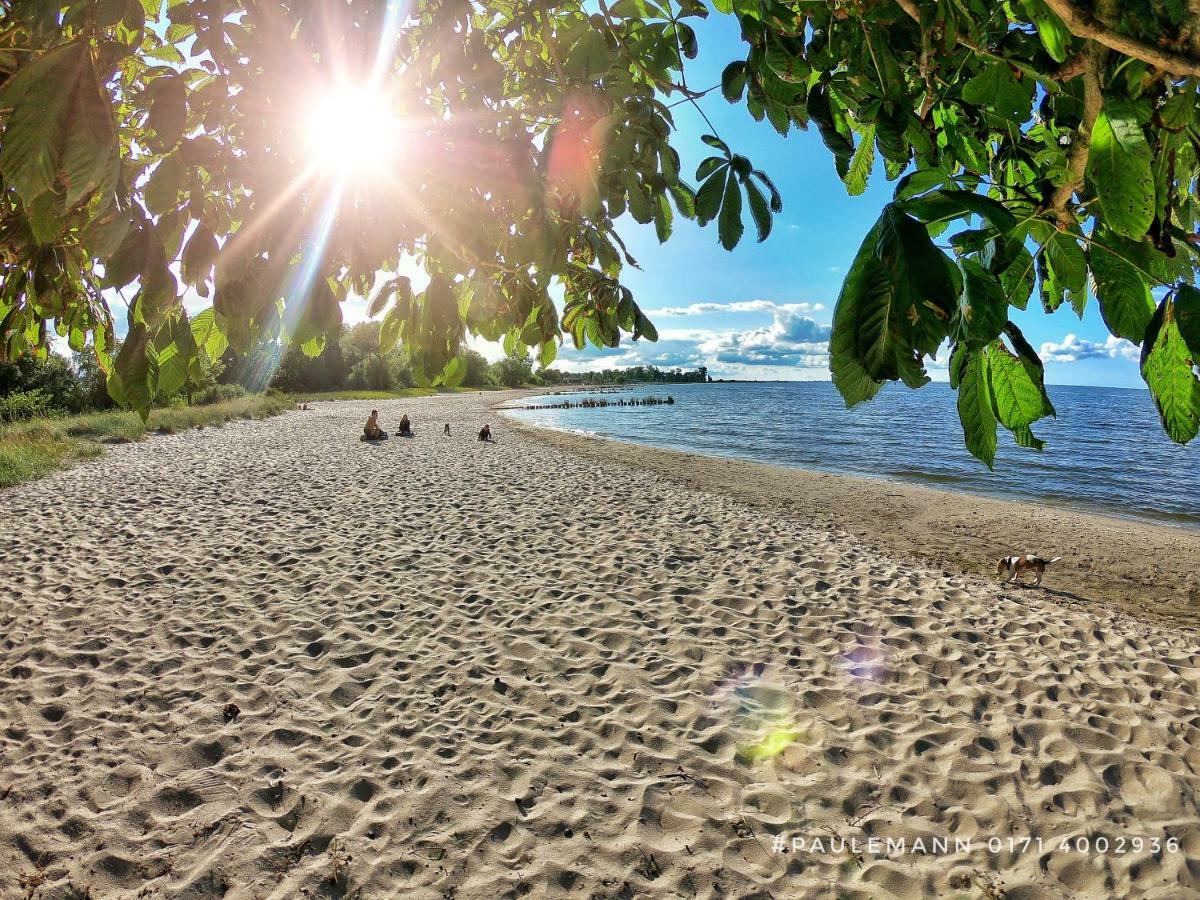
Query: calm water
x,y
1106,451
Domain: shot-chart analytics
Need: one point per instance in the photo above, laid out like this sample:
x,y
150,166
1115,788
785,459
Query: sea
x,y
1105,452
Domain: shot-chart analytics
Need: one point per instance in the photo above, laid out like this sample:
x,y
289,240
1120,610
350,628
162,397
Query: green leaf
x,y
1187,317
643,327
984,308
975,405
685,200
663,218
314,346
103,236
1067,264
1053,33
776,199
588,59
849,377
1119,166
1018,398
453,372
903,296
207,334
861,163
47,217
640,206
708,198
710,165
759,210
131,370
199,255
733,81
997,88
825,110
60,124
165,183
924,296
1125,300
1167,367
390,329
1179,111
729,225
173,359
168,111
547,354
1018,278
1033,365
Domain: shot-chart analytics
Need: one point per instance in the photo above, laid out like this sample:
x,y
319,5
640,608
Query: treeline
x,y
32,387
632,375
354,362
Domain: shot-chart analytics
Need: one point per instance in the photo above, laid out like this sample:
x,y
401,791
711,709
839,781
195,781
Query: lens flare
x,y
352,131
865,662
763,715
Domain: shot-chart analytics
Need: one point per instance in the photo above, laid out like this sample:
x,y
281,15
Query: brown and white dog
x,y
1016,566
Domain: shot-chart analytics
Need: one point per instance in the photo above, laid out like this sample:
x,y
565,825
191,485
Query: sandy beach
x,y
270,661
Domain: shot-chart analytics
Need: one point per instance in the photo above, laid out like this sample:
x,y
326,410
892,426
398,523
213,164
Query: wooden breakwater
x,y
592,403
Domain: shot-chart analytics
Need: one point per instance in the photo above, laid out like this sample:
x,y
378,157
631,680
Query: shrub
x,y
21,405
218,393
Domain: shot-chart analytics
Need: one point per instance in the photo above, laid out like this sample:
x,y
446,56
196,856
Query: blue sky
x,y
763,310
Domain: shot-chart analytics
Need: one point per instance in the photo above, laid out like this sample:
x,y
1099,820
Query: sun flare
x,y
351,131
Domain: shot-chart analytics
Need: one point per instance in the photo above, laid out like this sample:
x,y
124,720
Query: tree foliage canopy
x,y
1043,151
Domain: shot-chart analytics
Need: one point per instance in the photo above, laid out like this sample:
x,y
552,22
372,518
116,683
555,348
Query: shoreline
x,y
1148,569
1056,503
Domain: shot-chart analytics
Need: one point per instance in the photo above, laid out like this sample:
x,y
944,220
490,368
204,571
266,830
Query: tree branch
x,y
1082,23
1081,146
1049,79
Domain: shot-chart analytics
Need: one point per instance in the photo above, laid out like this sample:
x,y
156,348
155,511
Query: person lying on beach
x,y
405,427
446,430
372,431
485,433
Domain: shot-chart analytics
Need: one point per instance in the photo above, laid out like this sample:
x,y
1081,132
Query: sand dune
x,y
475,671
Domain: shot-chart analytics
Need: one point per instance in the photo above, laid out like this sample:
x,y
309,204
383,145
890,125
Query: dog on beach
x,y
485,433
1016,566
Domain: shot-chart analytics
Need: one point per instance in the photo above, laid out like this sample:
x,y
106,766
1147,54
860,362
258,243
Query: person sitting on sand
x,y
485,433
446,430
405,427
372,431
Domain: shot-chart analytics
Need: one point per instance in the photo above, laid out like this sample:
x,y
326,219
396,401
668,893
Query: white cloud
x,y
1072,349
791,346
790,340
736,306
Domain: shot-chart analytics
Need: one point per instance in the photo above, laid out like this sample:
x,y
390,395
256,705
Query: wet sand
x,y
1149,570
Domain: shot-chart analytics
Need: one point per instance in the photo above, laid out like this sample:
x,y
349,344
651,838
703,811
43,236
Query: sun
x,y
351,131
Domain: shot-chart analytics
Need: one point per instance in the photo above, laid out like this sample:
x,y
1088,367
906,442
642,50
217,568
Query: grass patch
x,y
30,450
39,450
